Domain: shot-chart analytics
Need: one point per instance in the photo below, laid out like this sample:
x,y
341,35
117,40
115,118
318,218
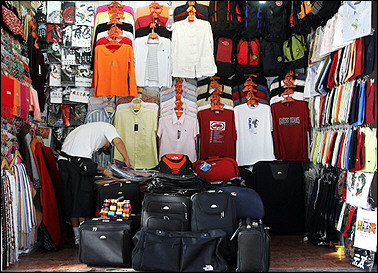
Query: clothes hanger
x,y
215,101
153,38
16,155
191,11
115,5
114,34
137,103
5,164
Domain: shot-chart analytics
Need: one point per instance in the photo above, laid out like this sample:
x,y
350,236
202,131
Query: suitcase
x,y
253,253
280,185
248,203
129,190
170,212
107,242
172,251
216,168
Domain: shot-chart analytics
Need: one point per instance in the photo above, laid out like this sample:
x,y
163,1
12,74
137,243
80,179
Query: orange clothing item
x,y
114,72
143,11
17,97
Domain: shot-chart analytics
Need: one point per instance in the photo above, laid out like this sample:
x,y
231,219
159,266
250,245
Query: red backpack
x,y
248,56
225,56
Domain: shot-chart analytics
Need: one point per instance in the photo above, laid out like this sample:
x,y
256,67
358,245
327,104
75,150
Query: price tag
x,y
205,167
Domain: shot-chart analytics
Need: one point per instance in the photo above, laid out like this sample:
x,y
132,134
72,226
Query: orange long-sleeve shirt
x,y
114,72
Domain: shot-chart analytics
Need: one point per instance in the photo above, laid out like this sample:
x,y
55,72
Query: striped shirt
x,y
104,116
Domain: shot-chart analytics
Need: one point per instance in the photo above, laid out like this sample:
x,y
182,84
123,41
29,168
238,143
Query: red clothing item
x,y
360,153
50,212
290,126
217,133
124,40
7,96
146,20
371,102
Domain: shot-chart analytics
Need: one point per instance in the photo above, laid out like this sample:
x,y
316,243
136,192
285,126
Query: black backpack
x,y
225,18
252,18
225,50
272,58
277,21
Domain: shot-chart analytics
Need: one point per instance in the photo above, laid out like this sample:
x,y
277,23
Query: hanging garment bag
x,y
280,185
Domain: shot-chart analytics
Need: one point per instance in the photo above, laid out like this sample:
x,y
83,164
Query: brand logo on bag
x,y
225,43
165,208
234,193
208,267
213,206
175,157
217,125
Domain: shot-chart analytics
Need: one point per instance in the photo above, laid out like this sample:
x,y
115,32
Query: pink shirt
x,y
34,104
125,9
178,136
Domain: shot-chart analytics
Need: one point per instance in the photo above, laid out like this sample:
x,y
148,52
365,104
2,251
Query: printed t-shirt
x,y
290,127
254,134
217,133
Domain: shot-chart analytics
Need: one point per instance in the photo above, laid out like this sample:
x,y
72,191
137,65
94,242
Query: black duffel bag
x,y
178,251
178,184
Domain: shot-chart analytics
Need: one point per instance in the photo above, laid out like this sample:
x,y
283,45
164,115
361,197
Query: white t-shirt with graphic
x,y
254,134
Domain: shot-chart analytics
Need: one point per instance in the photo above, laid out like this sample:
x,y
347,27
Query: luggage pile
x,y
181,222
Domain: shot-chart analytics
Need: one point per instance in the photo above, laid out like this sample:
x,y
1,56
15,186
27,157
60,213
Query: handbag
x,y
216,168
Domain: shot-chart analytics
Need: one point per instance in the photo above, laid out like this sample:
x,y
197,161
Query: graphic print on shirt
x,y
217,131
290,121
252,125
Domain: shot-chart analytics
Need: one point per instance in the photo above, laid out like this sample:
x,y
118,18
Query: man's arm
x,y
118,143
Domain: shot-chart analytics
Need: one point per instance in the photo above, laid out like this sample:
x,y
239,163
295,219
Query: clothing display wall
x,y
274,81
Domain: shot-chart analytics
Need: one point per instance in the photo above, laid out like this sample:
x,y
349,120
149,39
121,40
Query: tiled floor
x,y
288,253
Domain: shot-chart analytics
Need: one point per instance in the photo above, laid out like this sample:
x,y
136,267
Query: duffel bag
x,y
177,184
216,168
248,203
174,251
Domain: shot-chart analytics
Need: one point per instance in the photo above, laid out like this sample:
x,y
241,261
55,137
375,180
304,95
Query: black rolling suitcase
x,y
114,190
253,246
280,185
107,242
170,212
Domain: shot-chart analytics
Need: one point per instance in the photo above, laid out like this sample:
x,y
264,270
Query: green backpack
x,y
295,52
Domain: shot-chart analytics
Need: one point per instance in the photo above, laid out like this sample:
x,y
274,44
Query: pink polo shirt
x,y
178,136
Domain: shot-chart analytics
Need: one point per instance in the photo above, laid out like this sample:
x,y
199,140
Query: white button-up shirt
x,y
193,49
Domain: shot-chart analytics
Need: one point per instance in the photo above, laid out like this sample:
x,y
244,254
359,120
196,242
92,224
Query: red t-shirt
x,y
290,126
217,133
